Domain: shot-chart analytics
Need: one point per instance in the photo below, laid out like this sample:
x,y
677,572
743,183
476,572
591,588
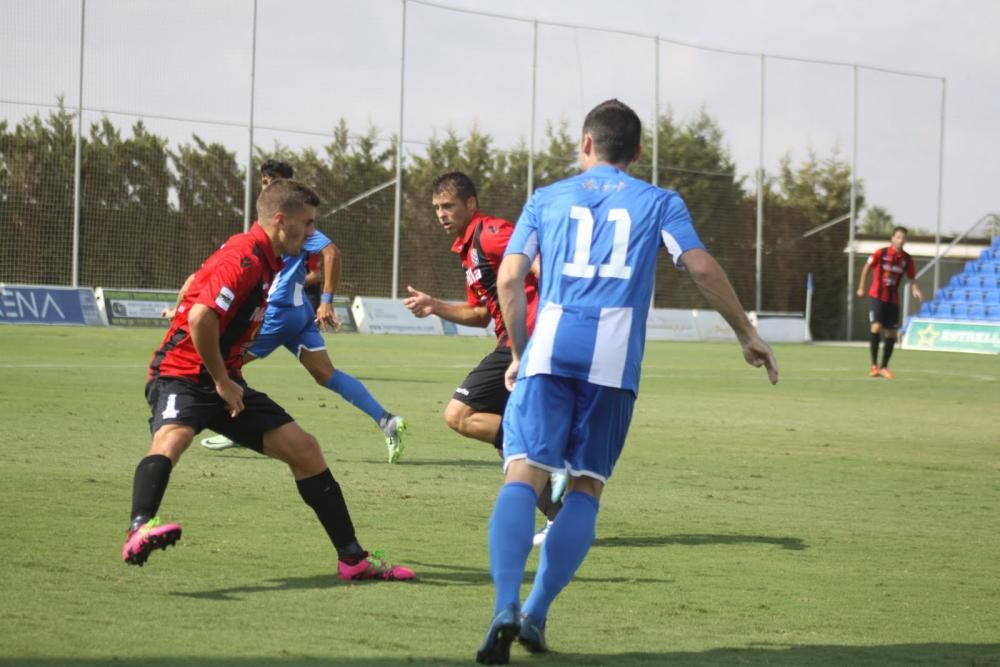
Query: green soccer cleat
x,y
394,431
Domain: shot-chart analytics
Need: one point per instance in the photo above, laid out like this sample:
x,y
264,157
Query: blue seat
x,y
955,311
977,311
991,295
925,310
959,295
986,268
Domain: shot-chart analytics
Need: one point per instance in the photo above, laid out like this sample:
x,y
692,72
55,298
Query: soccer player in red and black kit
x,y
476,408
888,266
196,382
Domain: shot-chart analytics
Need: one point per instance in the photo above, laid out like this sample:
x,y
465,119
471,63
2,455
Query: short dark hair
x,y
457,182
276,169
287,196
900,228
616,130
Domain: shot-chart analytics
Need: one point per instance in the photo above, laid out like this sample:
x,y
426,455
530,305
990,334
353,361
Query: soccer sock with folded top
x,y
354,392
564,549
148,486
511,528
322,493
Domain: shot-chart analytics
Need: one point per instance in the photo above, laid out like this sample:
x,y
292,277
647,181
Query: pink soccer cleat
x,y
373,566
147,538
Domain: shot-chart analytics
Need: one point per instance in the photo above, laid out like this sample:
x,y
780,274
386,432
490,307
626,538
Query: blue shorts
x,y
294,327
555,423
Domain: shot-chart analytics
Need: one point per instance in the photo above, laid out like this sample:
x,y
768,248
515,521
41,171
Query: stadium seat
x,y
991,295
987,268
925,310
958,295
956,281
986,255
977,311
993,312
953,311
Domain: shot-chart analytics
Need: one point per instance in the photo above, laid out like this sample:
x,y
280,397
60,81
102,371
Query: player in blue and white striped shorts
x,y
574,384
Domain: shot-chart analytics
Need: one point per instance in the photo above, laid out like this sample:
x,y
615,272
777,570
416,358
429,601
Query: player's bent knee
x,y
171,440
876,328
300,450
455,414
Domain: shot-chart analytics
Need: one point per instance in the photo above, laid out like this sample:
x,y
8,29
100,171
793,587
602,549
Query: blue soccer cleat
x,y
495,649
532,634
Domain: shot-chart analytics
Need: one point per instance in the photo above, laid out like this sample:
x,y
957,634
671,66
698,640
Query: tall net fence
x,y
175,94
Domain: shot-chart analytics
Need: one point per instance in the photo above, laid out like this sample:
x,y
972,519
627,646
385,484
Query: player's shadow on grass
x,y
696,540
981,655
453,463
428,574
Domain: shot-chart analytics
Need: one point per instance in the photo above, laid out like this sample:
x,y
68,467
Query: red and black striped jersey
x,y
233,282
888,268
481,250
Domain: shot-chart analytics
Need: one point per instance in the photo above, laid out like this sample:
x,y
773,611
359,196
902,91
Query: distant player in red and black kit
x,y
196,382
888,266
476,408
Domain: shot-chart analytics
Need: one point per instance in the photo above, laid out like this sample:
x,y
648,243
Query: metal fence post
x,y
759,254
854,212
248,181
78,160
398,205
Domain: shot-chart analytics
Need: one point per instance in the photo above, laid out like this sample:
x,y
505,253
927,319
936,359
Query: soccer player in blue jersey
x,y
575,382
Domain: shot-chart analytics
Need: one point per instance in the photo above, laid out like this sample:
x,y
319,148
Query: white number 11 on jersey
x,y
581,267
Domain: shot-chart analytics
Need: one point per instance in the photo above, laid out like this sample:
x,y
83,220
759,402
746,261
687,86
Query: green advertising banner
x,y
947,336
135,308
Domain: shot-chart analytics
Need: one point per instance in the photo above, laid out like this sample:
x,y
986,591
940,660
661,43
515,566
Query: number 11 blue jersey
x,y
598,234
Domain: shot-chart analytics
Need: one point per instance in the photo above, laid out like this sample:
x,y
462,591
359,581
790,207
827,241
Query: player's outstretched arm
x,y
714,284
423,305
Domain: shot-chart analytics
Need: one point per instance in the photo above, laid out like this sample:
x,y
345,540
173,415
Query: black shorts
x,y
883,312
483,389
179,401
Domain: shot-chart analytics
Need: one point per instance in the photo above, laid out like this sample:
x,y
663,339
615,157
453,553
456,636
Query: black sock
x,y
887,351
322,493
544,502
874,348
148,486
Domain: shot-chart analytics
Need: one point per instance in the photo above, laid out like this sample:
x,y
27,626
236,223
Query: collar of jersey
x,y
260,237
470,230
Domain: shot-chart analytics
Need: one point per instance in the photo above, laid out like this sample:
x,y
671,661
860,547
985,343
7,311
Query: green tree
x,y
802,198
877,221
209,186
36,199
126,186
694,160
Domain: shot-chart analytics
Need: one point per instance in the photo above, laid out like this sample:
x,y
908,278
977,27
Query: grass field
x,y
831,520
